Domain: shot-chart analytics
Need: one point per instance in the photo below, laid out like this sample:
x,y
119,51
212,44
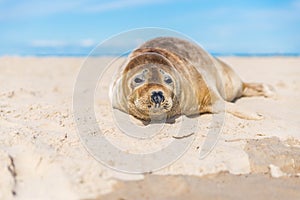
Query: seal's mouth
x,y
154,107
157,110
158,107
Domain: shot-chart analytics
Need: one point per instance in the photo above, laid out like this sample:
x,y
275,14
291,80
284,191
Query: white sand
x,y
42,157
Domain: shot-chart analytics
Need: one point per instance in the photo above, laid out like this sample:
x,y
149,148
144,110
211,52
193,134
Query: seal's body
x,y
166,77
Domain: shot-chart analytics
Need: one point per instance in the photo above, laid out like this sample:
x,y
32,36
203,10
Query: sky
x,y
231,26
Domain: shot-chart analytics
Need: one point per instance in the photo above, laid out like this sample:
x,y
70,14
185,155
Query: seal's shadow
x,y
168,121
171,120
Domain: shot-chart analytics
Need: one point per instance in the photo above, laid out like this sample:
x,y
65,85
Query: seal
x,y
167,77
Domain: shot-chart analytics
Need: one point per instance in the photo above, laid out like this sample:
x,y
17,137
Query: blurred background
x,y
75,27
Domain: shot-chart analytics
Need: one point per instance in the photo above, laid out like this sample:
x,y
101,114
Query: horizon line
x,y
235,54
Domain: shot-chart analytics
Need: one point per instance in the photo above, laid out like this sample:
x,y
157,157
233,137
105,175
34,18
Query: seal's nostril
x,y
157,97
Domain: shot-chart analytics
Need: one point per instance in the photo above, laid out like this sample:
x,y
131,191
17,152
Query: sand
x,y
42,156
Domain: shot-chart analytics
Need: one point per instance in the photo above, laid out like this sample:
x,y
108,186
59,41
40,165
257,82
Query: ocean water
x,y
91,51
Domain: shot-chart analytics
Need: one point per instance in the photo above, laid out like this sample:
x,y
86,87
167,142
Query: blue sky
x,y
249,26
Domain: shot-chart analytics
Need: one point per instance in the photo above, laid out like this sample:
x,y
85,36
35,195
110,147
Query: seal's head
x,y
151,87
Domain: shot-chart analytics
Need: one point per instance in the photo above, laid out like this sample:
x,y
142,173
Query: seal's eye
x,y
138,80
168,80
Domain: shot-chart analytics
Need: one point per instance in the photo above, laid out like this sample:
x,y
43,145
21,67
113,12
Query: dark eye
x,y
138,80
168,80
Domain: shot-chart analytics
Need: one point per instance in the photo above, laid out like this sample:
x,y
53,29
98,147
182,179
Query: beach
x,y
43,157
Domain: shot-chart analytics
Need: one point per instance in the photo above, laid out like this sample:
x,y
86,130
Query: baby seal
x,y
166,77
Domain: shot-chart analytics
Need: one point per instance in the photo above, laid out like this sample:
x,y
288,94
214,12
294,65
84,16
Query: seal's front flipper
x,y
258,89
241,112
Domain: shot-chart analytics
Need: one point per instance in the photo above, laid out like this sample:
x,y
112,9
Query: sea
x,y
92,51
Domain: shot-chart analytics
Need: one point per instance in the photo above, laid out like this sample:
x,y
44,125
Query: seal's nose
x,y
157,97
